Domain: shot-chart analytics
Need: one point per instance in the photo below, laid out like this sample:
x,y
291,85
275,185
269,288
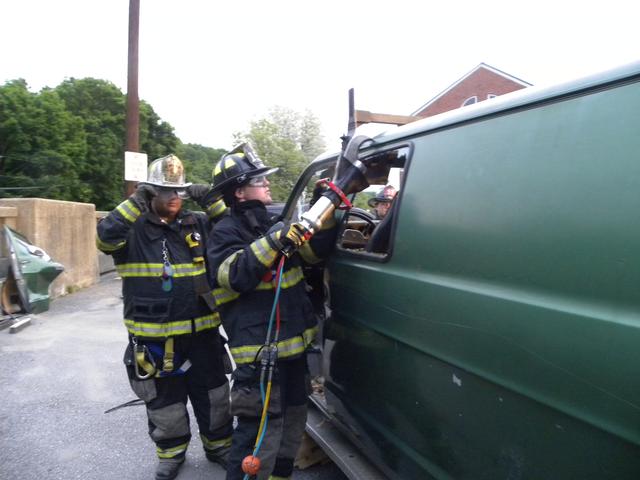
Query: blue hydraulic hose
x,y
275,301
262,392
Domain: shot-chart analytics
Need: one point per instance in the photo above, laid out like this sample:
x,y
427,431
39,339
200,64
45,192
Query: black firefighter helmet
x,y
385,195
238,167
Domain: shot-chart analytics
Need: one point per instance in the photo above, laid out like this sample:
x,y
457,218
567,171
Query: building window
x,y
470,101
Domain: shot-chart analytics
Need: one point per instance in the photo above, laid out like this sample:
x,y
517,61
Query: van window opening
x,y
366,229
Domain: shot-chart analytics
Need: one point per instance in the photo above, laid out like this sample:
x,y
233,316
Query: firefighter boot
x,y
168,468
219,456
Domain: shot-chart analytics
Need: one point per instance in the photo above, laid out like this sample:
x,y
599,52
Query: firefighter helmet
x,y
384,195
238,167
166,172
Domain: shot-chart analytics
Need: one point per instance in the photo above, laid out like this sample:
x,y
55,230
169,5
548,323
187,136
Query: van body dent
x,y
497,334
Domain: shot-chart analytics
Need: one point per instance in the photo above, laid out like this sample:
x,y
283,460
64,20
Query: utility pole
x,y
133,102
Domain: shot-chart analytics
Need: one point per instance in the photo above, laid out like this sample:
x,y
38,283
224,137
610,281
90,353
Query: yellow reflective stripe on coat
x,y
290,278
172,452
108,247
222,295
264,252
208,321
155,269
216,209
169,329
286,348
128,210
225,269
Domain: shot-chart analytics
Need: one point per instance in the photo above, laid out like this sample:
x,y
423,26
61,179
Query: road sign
x,y
135,166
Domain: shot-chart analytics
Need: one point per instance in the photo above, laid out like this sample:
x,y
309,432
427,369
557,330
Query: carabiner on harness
x,y
140,355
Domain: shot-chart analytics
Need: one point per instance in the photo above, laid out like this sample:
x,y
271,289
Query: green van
x,y
489,326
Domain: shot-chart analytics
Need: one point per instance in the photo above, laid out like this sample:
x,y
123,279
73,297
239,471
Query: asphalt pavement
x,y
57,378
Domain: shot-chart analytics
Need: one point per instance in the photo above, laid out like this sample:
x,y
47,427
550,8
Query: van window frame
x,y
371,256
302,182
331,160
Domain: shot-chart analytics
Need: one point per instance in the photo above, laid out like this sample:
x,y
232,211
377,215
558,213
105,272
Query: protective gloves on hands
x,y
288,236
142,196
198,192
294,234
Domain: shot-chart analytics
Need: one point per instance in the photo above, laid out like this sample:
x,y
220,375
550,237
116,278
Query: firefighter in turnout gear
x,y
381,203
175,351
243,252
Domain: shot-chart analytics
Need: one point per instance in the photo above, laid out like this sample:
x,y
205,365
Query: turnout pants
x,y
285,424
204,384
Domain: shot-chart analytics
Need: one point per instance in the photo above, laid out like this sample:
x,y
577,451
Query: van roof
x,y
506,102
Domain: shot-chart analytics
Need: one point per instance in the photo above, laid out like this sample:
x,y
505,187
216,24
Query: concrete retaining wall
x,y
8,216
66,231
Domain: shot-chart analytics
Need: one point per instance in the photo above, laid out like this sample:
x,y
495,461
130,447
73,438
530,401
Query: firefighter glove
x,y
142,196
200,193
292,235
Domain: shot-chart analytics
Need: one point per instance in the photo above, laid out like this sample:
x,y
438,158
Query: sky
x,y
209,67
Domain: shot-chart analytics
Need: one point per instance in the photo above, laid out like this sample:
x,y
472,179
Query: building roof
x,y
467,75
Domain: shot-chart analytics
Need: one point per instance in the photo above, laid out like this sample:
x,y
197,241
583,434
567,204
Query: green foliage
x,y
42,144
362,200
198,161
67,143
101,105
156,136
285,139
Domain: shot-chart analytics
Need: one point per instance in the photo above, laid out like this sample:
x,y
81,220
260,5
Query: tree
x,y
101,105
157,137
285,139
198,161
42,145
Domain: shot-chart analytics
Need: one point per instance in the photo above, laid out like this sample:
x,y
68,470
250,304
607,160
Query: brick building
x,y
481,83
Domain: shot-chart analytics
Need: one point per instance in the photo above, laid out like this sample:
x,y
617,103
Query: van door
x,y
356,369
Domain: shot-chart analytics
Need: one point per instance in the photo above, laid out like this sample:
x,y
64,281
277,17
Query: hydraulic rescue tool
x,y
349,177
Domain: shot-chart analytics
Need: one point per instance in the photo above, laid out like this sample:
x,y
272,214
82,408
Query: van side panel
x,y
502,339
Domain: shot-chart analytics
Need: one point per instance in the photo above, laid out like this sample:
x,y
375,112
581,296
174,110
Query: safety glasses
x,y
260,181
167,193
